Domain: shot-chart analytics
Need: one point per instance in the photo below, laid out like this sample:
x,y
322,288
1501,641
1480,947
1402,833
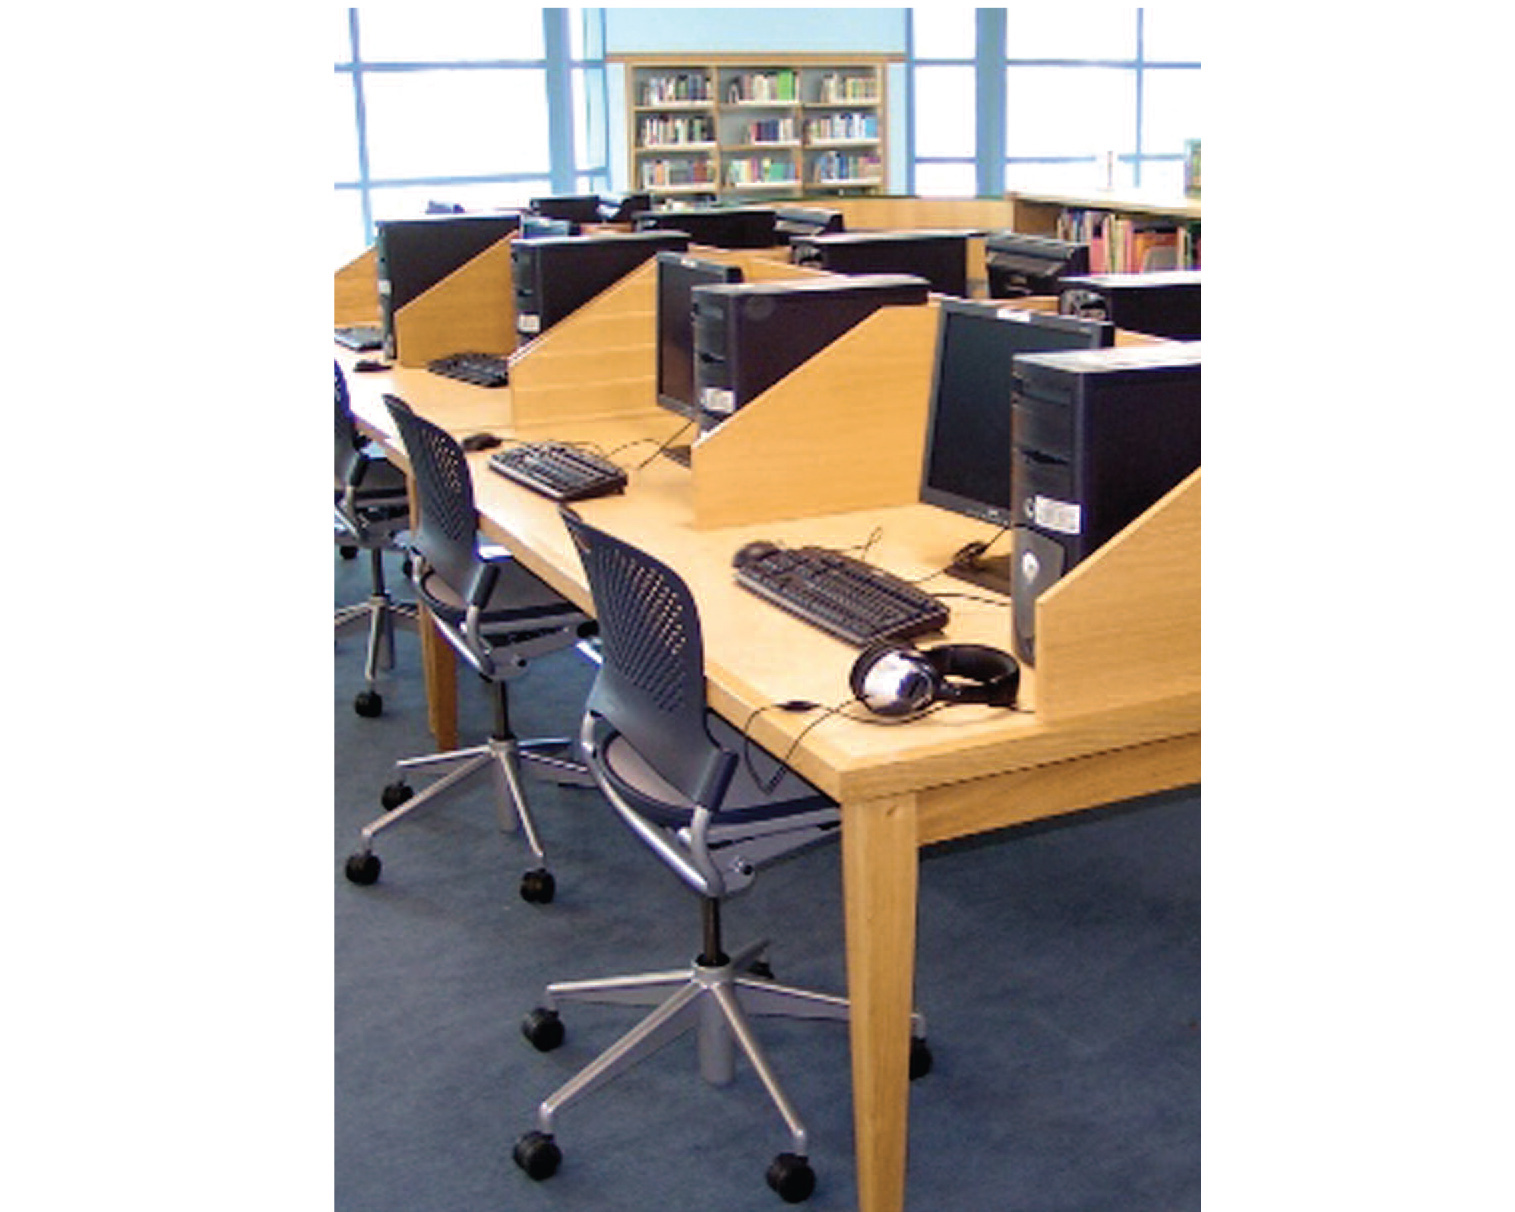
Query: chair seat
x,y
746,799
519,601
381,479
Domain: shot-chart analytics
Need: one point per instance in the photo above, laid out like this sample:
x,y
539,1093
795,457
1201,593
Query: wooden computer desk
x,y
1110,712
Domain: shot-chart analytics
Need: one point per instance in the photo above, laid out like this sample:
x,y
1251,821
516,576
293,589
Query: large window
x,y
486,107
482,107
1070,96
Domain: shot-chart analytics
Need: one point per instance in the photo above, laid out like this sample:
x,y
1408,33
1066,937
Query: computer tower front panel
x,y
749,336
1097,436
555,276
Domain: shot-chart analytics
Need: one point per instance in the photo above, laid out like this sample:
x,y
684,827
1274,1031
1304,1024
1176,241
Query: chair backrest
x,y
348,438
651,683
447,537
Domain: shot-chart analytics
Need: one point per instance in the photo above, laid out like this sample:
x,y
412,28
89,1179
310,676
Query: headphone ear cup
x,y
892,680
990,676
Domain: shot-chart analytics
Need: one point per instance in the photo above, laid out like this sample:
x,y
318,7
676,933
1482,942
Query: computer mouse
x,y
480,441
749,552
366,365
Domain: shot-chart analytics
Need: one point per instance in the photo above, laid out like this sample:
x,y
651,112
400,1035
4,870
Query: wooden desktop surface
x,y
961,770
1113,711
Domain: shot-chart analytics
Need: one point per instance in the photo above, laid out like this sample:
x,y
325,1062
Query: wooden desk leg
x,y
880,874
440,665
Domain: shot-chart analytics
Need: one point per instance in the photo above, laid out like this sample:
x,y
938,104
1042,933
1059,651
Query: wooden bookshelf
x,y
1118,227
748,129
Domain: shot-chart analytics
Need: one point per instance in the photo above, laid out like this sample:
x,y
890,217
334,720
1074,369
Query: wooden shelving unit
x,y
1111,222
745,129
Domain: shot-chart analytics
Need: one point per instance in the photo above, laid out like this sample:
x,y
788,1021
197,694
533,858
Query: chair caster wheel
x,y
544,1029
537,1155
368,704
394,795
363,868
920,1058
538,886
348,553
761,969
791,1176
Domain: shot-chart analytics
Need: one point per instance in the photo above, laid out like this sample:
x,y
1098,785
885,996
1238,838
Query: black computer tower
x,y
941,257
1096,437
716,226
413,255
1164,303
1019,264
750,335
556,275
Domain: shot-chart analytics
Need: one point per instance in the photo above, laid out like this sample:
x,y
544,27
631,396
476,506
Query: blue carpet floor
x,y
1058,971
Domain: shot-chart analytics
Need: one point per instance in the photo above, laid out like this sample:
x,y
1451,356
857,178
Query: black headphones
x,y
896,679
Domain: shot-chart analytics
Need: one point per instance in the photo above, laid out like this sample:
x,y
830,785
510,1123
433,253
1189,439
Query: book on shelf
x,y
748,87
837,88
769,130
662,130
760,170
835,166
674,88
1121,243
834,128
661,173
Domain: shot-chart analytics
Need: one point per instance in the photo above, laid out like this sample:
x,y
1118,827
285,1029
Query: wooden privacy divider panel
x,y
471,310
845,430
356,290
1123,628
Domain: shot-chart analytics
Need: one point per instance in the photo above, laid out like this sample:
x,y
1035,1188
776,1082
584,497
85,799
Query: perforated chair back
x,y
349,441
447,537
651,684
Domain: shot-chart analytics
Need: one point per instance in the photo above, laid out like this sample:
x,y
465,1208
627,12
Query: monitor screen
x,y
678,275
967,459
576,208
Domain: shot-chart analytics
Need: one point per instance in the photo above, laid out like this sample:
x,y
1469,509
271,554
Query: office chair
x,y
498,616
371,512
676,774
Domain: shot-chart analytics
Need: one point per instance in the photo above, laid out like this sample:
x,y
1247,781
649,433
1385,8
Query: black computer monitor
x,y
678,275
1018,264
535,226
807,221
966,467
716,226
625,209
576,208
941,257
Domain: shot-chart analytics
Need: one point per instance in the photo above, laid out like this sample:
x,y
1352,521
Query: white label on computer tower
x,y
384,286
1064,517
527,321
718,399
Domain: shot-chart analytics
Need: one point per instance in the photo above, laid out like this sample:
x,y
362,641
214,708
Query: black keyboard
x,y
854,601
480,369
559,471
360,337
